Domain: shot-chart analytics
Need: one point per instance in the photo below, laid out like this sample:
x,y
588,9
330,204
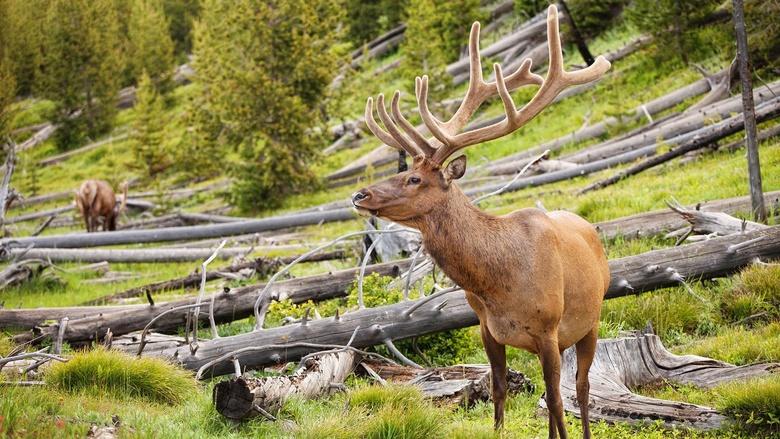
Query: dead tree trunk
x,y
243,397
465,384
626,363
259,265
714,222
181,233
229,306
735,124
630,275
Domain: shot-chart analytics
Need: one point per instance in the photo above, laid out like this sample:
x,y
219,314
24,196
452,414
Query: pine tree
x,y
150,48
149,130
181,14
23,26
7,79
198,155
265,67
674,23
423,49
83,65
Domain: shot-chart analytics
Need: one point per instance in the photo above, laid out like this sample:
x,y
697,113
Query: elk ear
x,y
455,169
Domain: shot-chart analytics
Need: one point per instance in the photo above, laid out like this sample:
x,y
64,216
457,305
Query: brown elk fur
x,y
536,280
97,203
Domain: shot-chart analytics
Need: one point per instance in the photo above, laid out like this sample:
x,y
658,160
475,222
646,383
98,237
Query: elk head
x,y
429,183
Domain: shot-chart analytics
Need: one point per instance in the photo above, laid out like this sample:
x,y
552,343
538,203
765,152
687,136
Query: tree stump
x,y
626,363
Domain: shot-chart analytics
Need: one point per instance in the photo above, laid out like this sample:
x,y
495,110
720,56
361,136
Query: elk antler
x,y
447,136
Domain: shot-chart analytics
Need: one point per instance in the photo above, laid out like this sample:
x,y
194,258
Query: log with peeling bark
x,y
630,275
718,131
714,222
592,131
695,138
465,384
83,240
660,221
86,148
259,265
229,305
627,363
675,128
246,397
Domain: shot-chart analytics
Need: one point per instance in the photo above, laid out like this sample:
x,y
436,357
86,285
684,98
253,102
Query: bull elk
x,y
536,280
97,203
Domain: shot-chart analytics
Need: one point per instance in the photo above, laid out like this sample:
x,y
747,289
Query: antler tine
x,y
393,128
381,134
556,81
419,140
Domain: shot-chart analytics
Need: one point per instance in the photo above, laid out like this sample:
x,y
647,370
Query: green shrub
x,y
755,404
595,16
116,374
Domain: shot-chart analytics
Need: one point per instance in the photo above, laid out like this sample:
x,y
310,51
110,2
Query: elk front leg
x,y
496,353
550,357
586,350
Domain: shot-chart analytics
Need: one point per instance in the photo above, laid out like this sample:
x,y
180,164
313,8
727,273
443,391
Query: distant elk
x,y
97,203
535,279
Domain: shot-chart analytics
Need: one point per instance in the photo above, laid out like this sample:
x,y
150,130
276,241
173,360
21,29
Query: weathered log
x,y
714,222
18,272
712,132
259,265
465,384
140,255
764,134
674,128
40,136
592,131
131,204
716,132
660,221
27,318
229,306
631,275
246,397
626,363
181,233
86,148
44,198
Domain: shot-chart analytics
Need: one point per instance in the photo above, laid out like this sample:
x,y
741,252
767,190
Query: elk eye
x,y
414,180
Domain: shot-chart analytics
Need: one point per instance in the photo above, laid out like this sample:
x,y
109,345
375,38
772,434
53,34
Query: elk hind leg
x,y
550,357
496,353
586,350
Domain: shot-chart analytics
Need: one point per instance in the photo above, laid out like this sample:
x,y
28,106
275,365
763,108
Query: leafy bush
x,y
116,374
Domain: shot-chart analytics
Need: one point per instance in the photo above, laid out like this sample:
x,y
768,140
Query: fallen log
x,y
712,132
674,128
141,255
95,145
627,363
592,131
28,318
714,222
764,134
465,384
242,398
180,233
131,204
259,265
718,131
229,305
631,275
665,220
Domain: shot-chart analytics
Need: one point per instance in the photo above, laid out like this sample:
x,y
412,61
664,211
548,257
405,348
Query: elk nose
x,y
360,195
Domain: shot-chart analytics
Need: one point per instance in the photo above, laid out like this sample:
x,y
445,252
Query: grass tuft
x,y
104,372
755,404
738,345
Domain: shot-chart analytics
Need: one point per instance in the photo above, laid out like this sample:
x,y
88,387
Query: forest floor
x,y
710,323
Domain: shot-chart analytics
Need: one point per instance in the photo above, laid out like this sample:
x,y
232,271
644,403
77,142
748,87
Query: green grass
x,y
738,345
103,372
